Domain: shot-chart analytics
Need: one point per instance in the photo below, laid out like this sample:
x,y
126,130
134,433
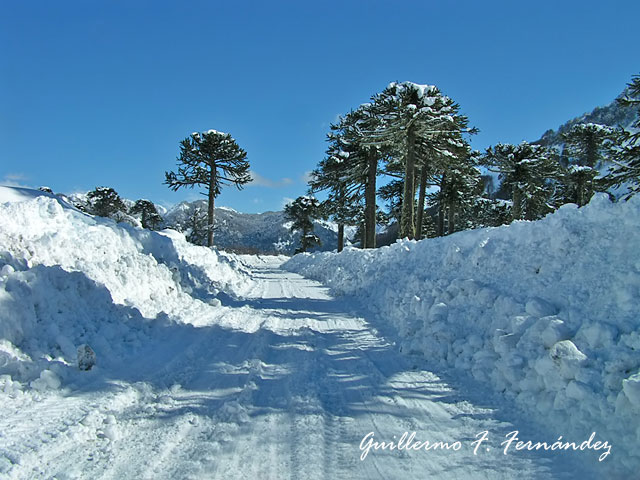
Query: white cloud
x,y
285,201
15,180
260,181
306,176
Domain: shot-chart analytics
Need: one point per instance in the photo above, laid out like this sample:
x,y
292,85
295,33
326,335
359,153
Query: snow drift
x,y
546,312
68,279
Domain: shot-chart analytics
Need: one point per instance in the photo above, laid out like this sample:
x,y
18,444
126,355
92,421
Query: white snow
x,y
68,279
210,365
544,312
216,132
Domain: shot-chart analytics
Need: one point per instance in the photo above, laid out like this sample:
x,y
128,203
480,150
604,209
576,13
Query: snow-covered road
x,y
292,395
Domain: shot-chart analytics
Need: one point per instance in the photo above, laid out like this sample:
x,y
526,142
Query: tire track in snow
x,y
291,396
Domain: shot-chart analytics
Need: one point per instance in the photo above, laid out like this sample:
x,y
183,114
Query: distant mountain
x,y
266,232
612,115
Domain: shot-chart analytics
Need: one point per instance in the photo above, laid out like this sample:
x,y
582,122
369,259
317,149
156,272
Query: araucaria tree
x,y
301,213
587,145
413,120
211,159
105,202
150,218
627,161
410,133
349,173
528,170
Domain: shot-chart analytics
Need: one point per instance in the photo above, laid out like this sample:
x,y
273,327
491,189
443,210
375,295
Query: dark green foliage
x,y
486,212
392,193
417,124
349,171
301,213
212,160
588,144
578,184
457,194
150,218
193,223
195,226
529,171
105,202
343,191
627,160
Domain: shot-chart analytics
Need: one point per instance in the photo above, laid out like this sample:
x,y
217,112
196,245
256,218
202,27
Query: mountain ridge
x,y
613,115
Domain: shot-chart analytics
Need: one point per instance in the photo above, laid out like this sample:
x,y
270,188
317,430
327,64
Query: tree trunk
x,y
370,200
211,206
441,207
363,235
591,152
452,216
580,193
303,240
516,211
407,228
340,237
421,196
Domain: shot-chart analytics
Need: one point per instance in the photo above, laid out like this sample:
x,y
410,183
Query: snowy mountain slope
x,y
266,232
545,312
613,115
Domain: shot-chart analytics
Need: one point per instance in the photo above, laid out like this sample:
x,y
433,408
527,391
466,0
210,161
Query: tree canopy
x,y
212,160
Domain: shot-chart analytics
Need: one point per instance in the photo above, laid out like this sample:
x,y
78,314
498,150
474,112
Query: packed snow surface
x,y
126,353
545,312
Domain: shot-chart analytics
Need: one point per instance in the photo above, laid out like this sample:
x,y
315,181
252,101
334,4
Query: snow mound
x,y
545,312
68,279
153,272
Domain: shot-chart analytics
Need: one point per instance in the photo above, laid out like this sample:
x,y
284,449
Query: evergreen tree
x,y
487,212
413,118
392,193
453,171
301,213
578,184
195,226
212,159
150,218
528,170
350,169
458,192
586,146
105,202
627,160
342,194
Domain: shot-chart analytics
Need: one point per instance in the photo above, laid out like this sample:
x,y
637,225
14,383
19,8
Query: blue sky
x,y
101,92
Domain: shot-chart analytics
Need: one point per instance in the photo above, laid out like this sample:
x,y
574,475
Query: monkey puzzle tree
x,y
301,213
413,118
627,159
150,218
105,202
350,169
526,169
587,145
211,159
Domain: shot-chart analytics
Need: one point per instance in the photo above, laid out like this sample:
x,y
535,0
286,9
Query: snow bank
x,y
546,312
46,313
68,279
153,272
